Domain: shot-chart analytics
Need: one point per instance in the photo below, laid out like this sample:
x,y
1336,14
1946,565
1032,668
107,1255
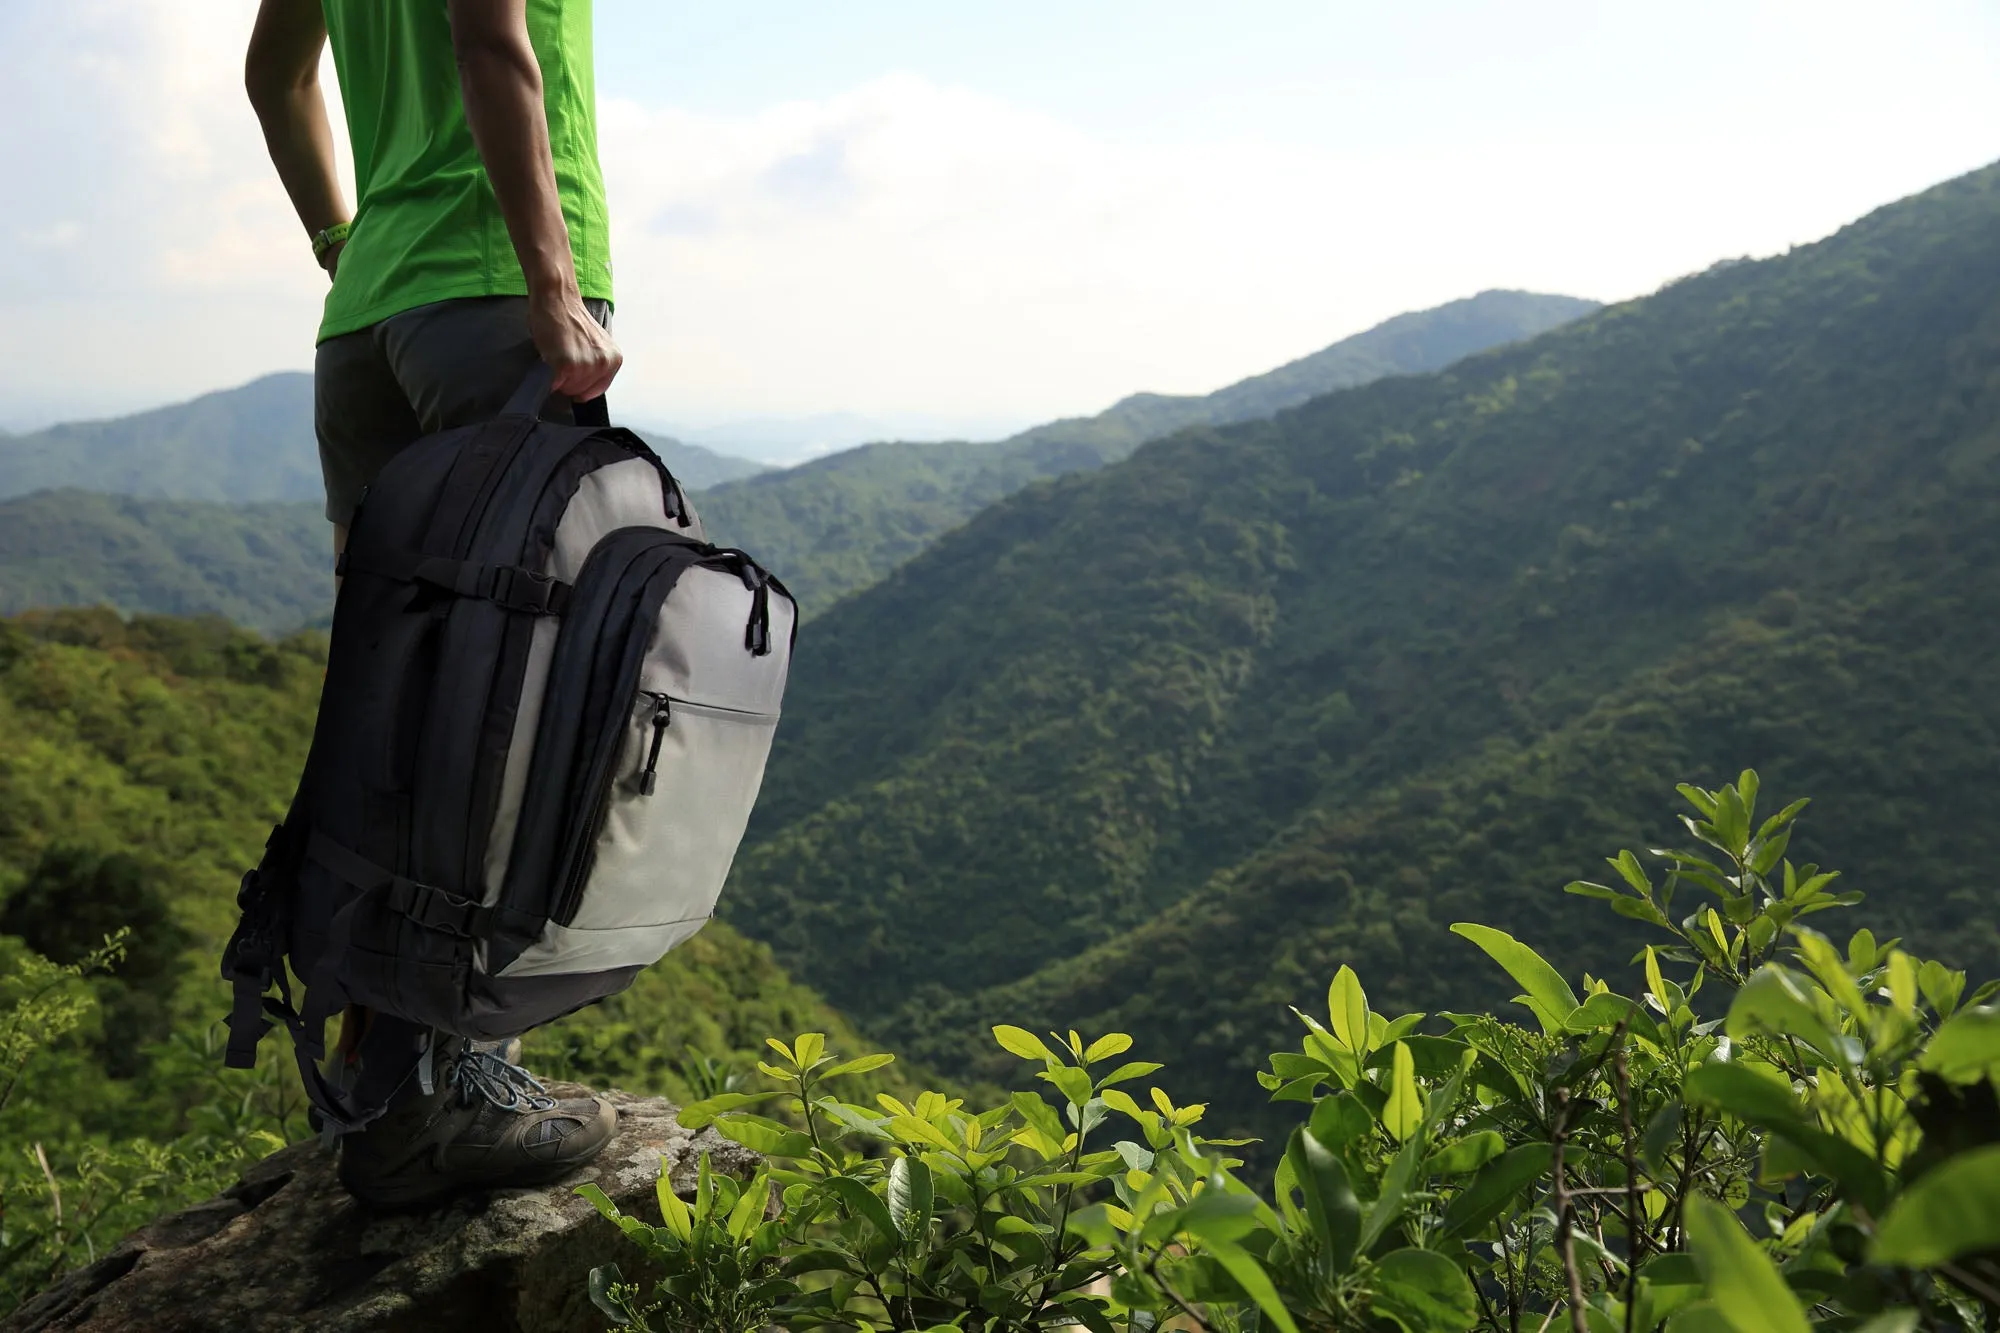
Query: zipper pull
x,y
662,715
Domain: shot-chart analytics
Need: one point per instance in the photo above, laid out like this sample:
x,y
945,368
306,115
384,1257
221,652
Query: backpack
x,y
547,710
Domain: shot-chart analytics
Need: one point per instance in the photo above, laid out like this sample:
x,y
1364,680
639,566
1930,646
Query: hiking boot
x,y
485,1124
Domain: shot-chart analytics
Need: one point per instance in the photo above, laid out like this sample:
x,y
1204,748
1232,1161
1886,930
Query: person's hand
x,y
578,347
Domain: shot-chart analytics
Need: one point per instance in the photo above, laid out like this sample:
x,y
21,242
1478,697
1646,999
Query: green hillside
x,y
250,443
173,744
267,565
1267,698
836,525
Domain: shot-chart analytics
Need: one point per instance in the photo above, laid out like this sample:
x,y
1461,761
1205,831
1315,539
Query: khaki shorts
x,y
450,364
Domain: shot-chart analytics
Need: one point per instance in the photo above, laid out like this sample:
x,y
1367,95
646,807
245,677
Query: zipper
x,y
664,707
663,713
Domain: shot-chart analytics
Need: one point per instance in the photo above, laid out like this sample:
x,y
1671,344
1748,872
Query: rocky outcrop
x,y
286,1250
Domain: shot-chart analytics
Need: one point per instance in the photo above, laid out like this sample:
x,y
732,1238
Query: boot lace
x,y
484,1075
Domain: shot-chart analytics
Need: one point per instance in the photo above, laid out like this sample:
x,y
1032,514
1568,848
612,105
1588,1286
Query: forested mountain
x,y
1159,747
838,524
253,442
266,565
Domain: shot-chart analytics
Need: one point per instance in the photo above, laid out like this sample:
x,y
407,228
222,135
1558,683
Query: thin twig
x,y
1635,1234
1565,1243
1972,1284
1513,1291
1153,1272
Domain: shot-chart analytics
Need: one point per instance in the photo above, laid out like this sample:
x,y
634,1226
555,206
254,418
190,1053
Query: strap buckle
x,y
522,589
435,908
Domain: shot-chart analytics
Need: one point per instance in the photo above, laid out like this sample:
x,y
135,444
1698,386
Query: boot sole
x,y
422,1193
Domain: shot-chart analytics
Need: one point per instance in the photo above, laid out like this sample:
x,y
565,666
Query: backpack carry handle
x,y
533,395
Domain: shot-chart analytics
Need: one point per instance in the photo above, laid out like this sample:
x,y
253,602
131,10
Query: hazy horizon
x,y
990,215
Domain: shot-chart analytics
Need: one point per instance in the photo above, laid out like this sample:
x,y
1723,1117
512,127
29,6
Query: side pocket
x,y
687,778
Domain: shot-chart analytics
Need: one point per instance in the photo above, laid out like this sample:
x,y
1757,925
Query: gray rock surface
x,y
286,1250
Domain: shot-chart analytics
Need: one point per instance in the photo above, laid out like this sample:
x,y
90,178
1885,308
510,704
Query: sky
x,y
938,219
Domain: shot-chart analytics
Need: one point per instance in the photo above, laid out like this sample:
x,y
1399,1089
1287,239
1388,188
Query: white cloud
x,y
911,246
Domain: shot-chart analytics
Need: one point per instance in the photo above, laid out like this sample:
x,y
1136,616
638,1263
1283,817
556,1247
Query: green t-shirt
x,y
426,225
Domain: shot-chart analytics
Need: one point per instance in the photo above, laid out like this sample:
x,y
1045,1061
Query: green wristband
x,y
329,238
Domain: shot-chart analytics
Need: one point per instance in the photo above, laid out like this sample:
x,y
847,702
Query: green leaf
x,y
1701,1317
762,1135
1404,1110
1495,1188
1387,1208
1072,1082
1600,1013
1250,1276
1347,1010
1467,1154
1122,1102
1583,888
679,1220
1542,982
1764,1100
1339,1120
1773,1001
699,1115
1952,1210
1021,1042
1667,1283
1639,910
911,1197
1891,1321
749,1210
861,1202
1826,964
1628,868
1425,1292
1941,987
860,1065
1433,1057
1106,1046
1754,1093
1330,1206
601,1281
1966,1046
1396,1028
1742,1281
1125,1073
809,1047
599,1200
1039,1114
1697,798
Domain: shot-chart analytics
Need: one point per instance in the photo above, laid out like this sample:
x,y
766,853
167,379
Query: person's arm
x,y
501,84
281,74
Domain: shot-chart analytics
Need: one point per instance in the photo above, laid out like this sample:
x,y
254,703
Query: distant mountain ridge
x,y
839,524
830,527
268,565
246,444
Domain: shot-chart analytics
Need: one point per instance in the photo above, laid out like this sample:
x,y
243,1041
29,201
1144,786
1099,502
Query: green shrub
x,y
1770,1133
66,1194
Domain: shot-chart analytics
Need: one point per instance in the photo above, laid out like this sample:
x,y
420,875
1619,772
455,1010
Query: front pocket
x,y
673,814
